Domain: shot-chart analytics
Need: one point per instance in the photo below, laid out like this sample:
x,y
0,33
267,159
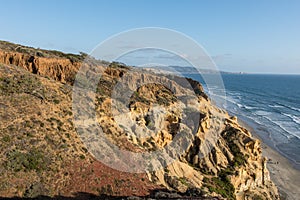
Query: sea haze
x,y
268,103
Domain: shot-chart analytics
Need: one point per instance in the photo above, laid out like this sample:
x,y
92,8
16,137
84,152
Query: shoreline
x,y
282,172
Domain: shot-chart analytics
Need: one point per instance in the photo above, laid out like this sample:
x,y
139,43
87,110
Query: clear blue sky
x,y
241,35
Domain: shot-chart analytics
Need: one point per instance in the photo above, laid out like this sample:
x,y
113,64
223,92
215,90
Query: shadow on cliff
x,y
154,194
76,196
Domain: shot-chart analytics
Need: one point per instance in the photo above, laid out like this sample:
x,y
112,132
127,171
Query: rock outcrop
x,y
222,158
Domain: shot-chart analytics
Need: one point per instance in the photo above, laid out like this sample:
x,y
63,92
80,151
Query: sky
x,y
254,36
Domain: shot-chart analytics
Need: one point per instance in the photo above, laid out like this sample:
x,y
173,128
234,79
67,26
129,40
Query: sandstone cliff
x,y
41,152
59,69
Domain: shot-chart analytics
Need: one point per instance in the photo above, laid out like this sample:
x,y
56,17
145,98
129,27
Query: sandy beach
x,y
283,174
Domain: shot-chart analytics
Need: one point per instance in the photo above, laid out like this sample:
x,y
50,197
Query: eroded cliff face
x,y
60,69
221,153
222,159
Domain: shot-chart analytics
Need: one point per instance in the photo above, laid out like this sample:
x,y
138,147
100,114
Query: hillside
x,y
42,153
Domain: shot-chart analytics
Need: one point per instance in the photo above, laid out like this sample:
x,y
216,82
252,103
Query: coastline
x,y
282,172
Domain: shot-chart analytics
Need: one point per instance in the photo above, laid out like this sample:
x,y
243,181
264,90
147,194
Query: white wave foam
x,y
226,98
285,106
235,94
231,97
283,127
293,108
262,113
249,107
289,129
275,106
255,120
293,117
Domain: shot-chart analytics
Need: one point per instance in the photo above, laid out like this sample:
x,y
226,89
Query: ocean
x,y
270,104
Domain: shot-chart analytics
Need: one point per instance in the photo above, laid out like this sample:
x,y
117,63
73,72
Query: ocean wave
x,y
229,97
262,113
239,105
235,94
282,127
286,106
286,130
226,98
293,117
275,106
254,119
250,107
293,108
257,114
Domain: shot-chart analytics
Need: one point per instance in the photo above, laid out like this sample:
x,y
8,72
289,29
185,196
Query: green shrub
x,y
257,197
56,101
6,138
25,83
117,65
105,190
239,157
183,181
32,160
221,184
